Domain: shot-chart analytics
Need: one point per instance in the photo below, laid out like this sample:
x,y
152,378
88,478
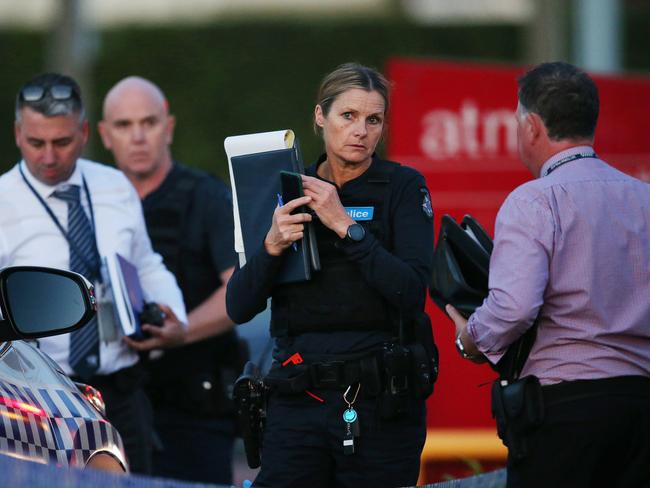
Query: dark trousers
x,y
303,444
193,448
596,433
129,410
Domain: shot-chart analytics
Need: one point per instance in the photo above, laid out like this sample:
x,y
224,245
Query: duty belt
x,y
328,375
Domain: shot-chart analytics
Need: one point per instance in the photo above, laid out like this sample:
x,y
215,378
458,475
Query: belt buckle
x,y
327,375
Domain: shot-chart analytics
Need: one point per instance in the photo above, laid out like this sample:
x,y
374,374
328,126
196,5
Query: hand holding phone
x,y
291,184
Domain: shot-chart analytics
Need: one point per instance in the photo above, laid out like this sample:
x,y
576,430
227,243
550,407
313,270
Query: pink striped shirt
x,y
574,247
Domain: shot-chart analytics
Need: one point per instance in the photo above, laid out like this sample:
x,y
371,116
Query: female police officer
x,y
343,409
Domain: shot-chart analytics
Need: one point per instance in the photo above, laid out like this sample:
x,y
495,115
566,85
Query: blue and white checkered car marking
x,y
52,426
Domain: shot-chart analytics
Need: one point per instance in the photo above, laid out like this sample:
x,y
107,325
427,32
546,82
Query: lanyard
x,y
568,159
56,221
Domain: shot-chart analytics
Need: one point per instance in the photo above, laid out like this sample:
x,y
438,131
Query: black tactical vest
x,y
174,225
338,297
166,221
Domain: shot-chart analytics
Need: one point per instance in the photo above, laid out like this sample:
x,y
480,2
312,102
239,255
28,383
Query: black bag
x,y
461,261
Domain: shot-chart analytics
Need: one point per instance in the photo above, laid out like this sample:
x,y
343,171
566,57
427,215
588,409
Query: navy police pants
x,y
303,443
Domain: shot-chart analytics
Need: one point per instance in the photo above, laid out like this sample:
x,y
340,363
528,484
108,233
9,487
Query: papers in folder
x,y
255,162
246,145
127,293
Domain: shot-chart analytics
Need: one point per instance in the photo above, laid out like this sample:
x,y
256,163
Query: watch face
x,y
356,232
459,347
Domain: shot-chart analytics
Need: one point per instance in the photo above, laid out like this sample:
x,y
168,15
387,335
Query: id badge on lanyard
x,y
109,330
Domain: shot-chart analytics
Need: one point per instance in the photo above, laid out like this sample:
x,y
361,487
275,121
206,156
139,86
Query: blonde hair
x,y
346,77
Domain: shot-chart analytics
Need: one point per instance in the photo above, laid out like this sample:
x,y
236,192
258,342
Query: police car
x,y
44,416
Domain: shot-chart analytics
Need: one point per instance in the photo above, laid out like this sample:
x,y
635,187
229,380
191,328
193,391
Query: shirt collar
x,y
564,154
46,190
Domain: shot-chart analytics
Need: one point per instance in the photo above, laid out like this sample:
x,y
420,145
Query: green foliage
x,y
250,77
637,28
239,78
22,55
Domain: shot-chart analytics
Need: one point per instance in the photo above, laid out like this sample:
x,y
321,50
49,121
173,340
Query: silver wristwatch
x,y
462,351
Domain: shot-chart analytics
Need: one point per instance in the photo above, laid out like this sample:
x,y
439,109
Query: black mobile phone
x,y
291,184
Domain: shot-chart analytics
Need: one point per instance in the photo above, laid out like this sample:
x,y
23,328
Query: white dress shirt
x,y
29,236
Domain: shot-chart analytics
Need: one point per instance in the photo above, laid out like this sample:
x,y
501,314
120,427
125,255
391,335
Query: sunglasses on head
x,y
34,93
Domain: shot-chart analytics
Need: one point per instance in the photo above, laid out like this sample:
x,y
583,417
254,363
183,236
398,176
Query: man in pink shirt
x,y
572,255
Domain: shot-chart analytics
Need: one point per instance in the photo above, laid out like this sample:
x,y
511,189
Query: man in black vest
x,y
189,219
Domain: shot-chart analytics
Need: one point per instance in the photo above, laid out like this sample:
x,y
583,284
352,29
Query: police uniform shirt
x,y
400,275
29,236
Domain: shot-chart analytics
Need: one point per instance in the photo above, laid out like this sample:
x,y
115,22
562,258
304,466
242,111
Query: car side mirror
x,y
40,302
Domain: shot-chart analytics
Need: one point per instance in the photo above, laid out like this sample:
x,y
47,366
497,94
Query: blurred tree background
x,y
240,76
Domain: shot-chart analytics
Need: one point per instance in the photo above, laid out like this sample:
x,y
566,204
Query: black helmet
x,y
461,262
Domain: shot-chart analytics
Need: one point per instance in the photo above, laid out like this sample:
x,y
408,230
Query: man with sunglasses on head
x,y
62,211
190,222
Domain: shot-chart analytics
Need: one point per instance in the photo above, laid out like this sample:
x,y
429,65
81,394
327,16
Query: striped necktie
x,y
84,259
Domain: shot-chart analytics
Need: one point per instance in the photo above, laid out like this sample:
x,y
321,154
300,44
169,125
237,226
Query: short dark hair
x,y
564,96
47,104
346,77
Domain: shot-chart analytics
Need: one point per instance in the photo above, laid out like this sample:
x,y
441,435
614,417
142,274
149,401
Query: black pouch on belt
x,y
518,408
424,357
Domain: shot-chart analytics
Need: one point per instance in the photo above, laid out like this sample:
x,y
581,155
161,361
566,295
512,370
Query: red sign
x,y
455,123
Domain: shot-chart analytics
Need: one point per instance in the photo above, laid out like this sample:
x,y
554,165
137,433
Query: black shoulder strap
x,y
512,362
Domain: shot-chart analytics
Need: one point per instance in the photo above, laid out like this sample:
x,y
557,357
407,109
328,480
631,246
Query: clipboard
x,y
255,180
